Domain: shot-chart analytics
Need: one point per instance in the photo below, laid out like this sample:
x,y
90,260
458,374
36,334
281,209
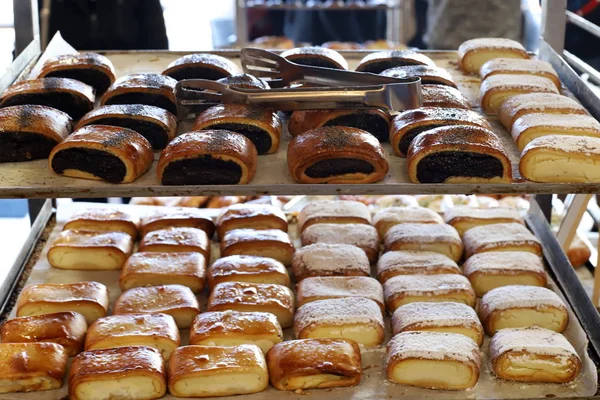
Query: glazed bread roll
x,y
177,217
247,269
133,372
379,61
176,240
496,89
385,219
335,287
271,243
429,75
314,363
473,53
233,328
408,262
353,318
514,66
316,56
90,68
362,236
438,317
28,367
533,355
333,212
463,218
66,328
103,220
443,96
500,237
251,216
438,238
89,299
519,306
201,66
494,269
149,89
322,259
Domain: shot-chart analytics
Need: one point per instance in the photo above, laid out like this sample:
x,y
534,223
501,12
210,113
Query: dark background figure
x,y
579,42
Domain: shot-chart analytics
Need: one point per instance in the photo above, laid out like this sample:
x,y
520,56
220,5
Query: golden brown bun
x,y
498,88
429,75
514,66
150,89
334,287
579,252
104,220
271,243
201,66
323,259
500,237
379,61
386,218
175,240
409,262
443,96
439,238
342,45
90,68
333,212
247,269
177,218
252,216
363,236
463,218
473,53
316,56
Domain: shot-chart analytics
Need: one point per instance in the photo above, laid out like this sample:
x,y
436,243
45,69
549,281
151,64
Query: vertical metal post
x,y
241,22
27,26
554,22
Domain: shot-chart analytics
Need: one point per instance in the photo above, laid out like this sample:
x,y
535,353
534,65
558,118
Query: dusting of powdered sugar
x,y
360,235
422,233
414,262
531,340
462,212
341,286
504,262
519,296
426,285
488,237
403,215
332,209
423,314
331,258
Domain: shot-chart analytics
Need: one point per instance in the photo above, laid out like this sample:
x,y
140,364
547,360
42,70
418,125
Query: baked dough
x,y
408,262
271,243
515,66
439,238
150,89
333,212
335,287
395,200
385,219
104,220
362,236
90,68
247,269
252,216
322,259
272,42
244,81
201,66
473,53
500,237
354,318
496,89
379,61
316,56
176,240
463,218
177,217
443,96
579,252
429,75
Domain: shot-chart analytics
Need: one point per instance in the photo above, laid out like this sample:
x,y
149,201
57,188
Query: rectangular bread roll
x,y
321,259
104,220
359,235
514,66
433,360
439,238
28,367
176,217
134,372
473,53
271,243
251,216
354,318
90,250
463,218
207,371
247,269
500,237
333,212
232,328
394,263
384,219
314,363
533,355
176,240
334,287
496,89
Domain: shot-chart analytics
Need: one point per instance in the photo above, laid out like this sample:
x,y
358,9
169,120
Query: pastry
x,y
396,200
251,216
429,75
90,68
362,236
248,296
102,153
342,45
393,263
336,154
407,125
383,44
244,81
29,367
89,299
176,240
271,243
150,89
579,252
519,306
404,289
533,355
463,218
322,259
333,212
443,96
68,95
225,201
378,62
214,157
500,237
30,132
493,269
261,125
385,219
335,287
207,371
314,363
316,56
247,269
66,328
272,42
473,53
458,154
435,202
177,218
354,318
201,66
133,372
153,269
158,331
157,125
232,328
514,66
412,356
439,238
446,317
104,220
175,300
496,89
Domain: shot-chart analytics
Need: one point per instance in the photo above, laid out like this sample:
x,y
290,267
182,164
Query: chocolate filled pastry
x,y
445,317
247,269
207,371
32,367
380,61
333,212
376,122
89,299
407,125
232,328
439,238
429,75
412,356
244,81
496,89
473,53
500,237
336,155
463,218
201,66
68,95
458,154
177,218
85,250
322,259
102,153
354,318
153,269
407,262
316,56
30,132
214,157
443,96
261,297
385,219
251,216
132,372
176,240
520,306
175,300
519,67
158,331
103,220
90,68
533,355
271,243
405,289
362,236
150,89
66,328
533,103
335,287
314,363
261,125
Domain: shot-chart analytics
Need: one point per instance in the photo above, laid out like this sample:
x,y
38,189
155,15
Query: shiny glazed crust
x,y
519,67
213,62
177,240
41,120
306,120
247,269
443,96
80,61
103,220
428,75
179,217
470,48
334,287
258,243
498,88
375,61
154,84
327,55
253,216
333,212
